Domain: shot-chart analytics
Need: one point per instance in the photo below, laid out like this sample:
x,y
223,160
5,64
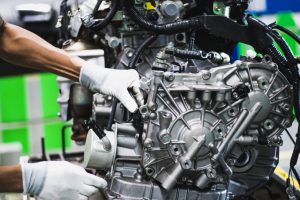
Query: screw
x,y
153,115
206,75
129,54
169,77
211,173
148,144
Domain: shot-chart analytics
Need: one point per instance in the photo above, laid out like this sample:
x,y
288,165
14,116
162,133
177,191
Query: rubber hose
x,y
280,41
287,31
63,30
103,23
285,49
180,53
96,8
112,114
140,50
170,28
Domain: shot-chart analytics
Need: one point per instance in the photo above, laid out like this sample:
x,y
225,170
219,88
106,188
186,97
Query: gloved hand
x,y
59,180
112,82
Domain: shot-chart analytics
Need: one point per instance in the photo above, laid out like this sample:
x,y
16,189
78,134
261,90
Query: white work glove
x,y
59,180
113,82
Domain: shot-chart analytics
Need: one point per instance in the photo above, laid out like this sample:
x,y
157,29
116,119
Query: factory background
x,y
28,102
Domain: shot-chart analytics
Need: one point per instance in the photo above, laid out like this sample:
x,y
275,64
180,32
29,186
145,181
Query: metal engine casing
x,y
201,138
207,130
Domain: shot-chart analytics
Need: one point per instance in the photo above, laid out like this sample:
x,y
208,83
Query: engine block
x,y
201,131
209,128
195,120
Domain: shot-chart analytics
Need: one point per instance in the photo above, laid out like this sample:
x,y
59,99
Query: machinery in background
x,y
209,128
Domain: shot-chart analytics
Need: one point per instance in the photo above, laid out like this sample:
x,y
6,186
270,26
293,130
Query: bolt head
x,y
129,54
211,173
206,75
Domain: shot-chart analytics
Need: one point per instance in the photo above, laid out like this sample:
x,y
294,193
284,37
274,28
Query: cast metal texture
x,y
210,131
186,107
202,139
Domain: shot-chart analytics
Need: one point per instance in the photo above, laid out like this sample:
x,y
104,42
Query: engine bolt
x,y
277,140
285,107
268,124
233,111
129,54
153,115
175,150
287,123
206,75
169,76
263,83
150,171
211,173
186,164
148,143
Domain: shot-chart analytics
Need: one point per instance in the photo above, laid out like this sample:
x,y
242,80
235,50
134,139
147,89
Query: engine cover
x,y
200,124
205,135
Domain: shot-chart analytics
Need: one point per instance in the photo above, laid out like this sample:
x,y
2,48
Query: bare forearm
x,y
24,48
11,179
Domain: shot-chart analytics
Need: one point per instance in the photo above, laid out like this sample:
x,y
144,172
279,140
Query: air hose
x,y
104,22
140,50
170,28
89,20
286,31
96,8
200,55
63,28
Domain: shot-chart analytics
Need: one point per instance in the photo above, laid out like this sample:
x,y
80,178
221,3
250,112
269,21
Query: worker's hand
x,y
113,82
59,180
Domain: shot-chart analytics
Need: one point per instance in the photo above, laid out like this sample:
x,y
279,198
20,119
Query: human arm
x,y
11,179
24,48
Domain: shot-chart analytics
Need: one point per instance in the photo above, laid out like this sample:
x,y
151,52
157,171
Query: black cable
x,y
280,60
63,29
290,136
291,65
296,175
288,180
200,55
135,58
188,54
286,31
104,22
287,65
270,49
96,8
170,28
112,114
285,48
278,39
293,183
296,151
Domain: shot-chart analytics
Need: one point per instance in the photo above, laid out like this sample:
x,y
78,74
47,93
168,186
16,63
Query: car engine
x,y
208,127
